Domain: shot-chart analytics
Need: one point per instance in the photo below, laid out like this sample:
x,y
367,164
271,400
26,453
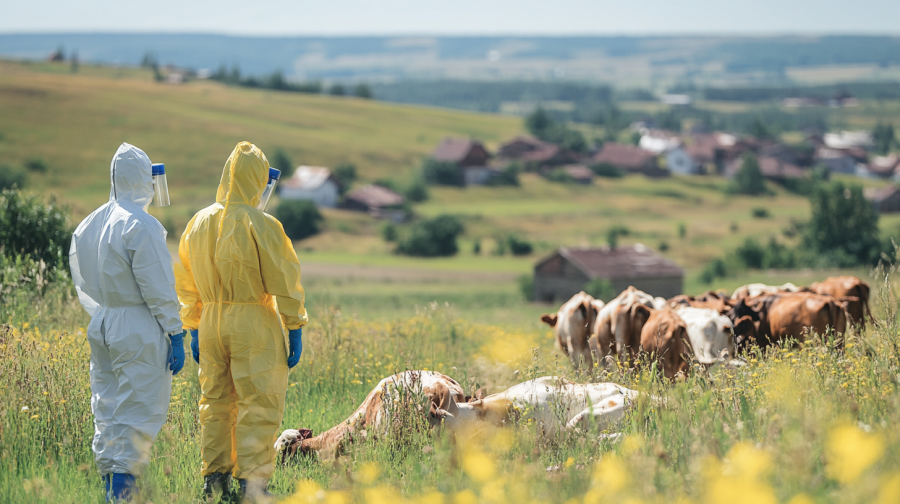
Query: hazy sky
x,y
361,17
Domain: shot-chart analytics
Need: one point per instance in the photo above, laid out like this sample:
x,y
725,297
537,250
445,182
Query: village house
x,y
313,183
469,155
568,270
579,173
771,168
377,201
883,167
836,160
884,199
630,158
530,150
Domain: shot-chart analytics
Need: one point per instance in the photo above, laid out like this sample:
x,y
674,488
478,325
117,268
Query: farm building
x,y
884,199
629,158
469,155
565,273
377,201
312,183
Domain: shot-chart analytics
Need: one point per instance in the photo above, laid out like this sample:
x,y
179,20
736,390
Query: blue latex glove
x,y
176,362
295,337
195,345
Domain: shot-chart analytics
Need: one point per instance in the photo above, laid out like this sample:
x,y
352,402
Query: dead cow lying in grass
x,y
427,392
554,404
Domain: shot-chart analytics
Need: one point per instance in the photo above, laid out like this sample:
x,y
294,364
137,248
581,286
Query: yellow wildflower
x,y
850,452
368,473
478,465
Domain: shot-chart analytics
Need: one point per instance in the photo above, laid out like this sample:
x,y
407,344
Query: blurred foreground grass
x,y
797,426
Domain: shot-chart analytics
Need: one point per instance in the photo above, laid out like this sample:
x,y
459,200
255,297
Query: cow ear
x,y
641,310
744,325
549,319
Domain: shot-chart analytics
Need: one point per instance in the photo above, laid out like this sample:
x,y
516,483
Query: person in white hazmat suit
x,y
124,277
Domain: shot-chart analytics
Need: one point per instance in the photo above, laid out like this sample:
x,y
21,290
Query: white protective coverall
x,y
123,275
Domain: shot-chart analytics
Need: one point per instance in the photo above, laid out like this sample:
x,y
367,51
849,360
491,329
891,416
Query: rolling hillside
x,y
75,122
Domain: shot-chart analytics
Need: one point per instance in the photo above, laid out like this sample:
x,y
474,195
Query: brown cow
x,y
846,288
791,314
665,336
759,289
572,325
712,300
617,330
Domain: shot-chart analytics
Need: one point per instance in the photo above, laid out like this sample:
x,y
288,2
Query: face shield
x,y
274,175
160,188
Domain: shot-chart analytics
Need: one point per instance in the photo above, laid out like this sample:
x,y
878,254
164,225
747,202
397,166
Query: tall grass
x,y
794,425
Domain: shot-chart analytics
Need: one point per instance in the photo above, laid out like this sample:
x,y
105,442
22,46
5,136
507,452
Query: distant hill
x,y
622,61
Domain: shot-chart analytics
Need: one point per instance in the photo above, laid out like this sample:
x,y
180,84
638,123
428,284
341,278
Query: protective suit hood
x,y
131,176
244,177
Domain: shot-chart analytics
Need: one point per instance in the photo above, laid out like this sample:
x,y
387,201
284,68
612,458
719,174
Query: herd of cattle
x,y
707,328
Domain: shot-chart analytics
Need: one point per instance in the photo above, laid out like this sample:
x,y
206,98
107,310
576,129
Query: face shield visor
x,y
160,188
274,175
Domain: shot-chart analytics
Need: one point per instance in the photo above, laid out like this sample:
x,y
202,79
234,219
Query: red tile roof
x,y
375,196
636,261
623,155
453,150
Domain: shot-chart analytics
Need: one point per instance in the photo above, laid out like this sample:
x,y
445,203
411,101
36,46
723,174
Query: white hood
x,y
131,176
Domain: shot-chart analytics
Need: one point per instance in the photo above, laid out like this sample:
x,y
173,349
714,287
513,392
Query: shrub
x,y
12,177
389,232
300,218
607,170
600,288
508,176
432,238
416,191
518,246
750,254
363,91
476,247
613,234
442,173
345,173
559,175
663,246
33,228
36,165
717,268
526,286
283,162
749,180
760,213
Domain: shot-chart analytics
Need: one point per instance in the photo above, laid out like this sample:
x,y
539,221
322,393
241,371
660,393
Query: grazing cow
x,y
436,391
846,288
750,291
551,402
618,324
665,336
711,334
790,314
711,300
572,325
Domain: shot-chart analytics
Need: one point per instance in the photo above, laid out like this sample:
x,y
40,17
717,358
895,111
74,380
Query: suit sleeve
x,y
151,264
186,285
90,304
280,271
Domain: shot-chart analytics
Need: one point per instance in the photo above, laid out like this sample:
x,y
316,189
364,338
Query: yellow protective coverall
x,y
238,273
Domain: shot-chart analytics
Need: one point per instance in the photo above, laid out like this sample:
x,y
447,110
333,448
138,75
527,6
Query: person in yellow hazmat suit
x,y
239,287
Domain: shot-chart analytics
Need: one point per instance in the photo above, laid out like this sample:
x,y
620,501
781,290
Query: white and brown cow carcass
x,y
425,392
552,403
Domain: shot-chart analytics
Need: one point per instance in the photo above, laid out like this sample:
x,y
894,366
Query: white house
x,y
312,183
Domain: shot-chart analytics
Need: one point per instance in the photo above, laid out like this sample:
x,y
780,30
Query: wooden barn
x,y
568,270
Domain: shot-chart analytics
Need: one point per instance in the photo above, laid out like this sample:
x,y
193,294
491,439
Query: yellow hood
x,y
244,177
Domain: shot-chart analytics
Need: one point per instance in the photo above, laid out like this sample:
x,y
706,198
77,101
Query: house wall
x,y
557,280
476,175
844,164
326,195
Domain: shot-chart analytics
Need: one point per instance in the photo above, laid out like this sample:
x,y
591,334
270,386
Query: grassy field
x,y
795,426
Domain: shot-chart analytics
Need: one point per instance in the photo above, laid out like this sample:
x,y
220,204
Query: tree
x,y
518,246
749,180
300,218
844,225
508,176
416,191
600,288
345,173
32,227
538,122
73,61
883,136
337,90
432,238
442,173
363,91
282,161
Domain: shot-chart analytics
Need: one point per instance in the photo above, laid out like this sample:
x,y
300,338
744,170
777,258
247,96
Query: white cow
x,y
758,289
553,403
709,331
572,326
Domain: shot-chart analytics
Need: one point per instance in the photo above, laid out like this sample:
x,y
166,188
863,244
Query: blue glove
x,y
176,362
295,337
195,345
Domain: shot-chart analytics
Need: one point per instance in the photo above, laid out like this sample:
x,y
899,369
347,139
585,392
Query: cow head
x,y
744,332
292,443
